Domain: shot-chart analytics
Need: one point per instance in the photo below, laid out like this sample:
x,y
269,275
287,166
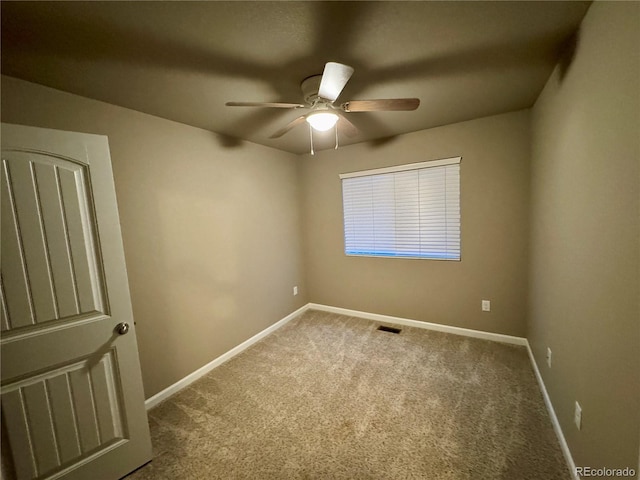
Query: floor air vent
x,y
389,329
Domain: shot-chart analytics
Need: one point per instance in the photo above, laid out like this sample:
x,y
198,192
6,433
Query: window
x,y
409,211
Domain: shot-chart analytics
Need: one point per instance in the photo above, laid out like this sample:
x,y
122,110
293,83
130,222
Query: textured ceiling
x,y
184,60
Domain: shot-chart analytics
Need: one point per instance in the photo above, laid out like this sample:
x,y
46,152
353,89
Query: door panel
x,y
51,255
71,394
64,416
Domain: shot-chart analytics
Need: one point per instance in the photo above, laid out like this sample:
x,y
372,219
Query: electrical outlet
x,y
295,290
577,416
486,306
549,357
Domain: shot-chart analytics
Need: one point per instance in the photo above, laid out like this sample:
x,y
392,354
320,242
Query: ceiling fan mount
x,y
321,91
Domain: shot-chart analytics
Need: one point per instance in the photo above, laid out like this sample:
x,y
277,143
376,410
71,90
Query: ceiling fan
x,y
320,92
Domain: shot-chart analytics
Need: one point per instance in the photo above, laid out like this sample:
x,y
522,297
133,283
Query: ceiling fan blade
x,y
288,126
345,125
388,104
334,78
264,104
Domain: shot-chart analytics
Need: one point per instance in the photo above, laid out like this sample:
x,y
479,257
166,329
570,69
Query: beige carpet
x,y
331,397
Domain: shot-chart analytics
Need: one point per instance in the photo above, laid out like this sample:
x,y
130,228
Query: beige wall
x,y
585,238
211,234
494,208
550,232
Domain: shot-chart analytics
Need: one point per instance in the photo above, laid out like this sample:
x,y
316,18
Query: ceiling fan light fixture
x,y
322,121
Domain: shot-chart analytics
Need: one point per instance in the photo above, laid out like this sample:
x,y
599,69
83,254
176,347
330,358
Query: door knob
x,y
122,328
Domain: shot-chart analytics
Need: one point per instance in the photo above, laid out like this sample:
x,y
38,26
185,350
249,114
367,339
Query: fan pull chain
x,y
336,127
311,135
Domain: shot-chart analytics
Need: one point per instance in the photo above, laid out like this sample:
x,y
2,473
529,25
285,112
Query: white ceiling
x,y
184,60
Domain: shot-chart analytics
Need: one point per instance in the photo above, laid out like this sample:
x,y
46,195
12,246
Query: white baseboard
x,y
554,419
192,377
467,332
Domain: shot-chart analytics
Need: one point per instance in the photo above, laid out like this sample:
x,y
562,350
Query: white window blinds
x,y
407,211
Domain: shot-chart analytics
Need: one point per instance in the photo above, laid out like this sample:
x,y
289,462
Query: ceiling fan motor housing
x,y
310,87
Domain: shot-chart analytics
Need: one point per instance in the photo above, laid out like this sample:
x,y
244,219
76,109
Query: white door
x,y
72,398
